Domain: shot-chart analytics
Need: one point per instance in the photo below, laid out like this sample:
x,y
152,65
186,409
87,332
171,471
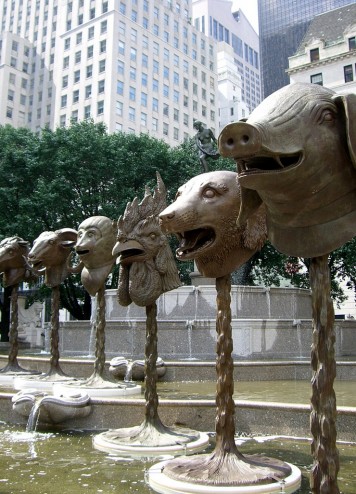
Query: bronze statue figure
x,y
296,153
147,266
203,217
49,256
202,236
95,242
13,251
206,143
147,269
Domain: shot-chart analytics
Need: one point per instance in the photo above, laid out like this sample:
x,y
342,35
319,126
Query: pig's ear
x,y
349,103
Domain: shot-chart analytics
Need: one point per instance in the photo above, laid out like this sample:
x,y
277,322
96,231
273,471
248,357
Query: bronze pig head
x,y
296,153
203,217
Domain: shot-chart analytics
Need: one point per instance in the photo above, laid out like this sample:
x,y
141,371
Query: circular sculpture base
x,y
104,389
8,377
43,382
160,482
146,441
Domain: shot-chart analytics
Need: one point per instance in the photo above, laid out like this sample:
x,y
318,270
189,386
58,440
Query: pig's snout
x,y
238,140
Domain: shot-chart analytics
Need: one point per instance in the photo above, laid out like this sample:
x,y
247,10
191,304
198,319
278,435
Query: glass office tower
x,y
283,24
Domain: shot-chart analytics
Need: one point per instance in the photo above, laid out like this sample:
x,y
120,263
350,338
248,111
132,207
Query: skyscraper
x,y
137,66
283,23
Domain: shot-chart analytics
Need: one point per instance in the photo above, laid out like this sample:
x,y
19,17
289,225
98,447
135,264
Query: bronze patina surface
x,y
147,269
13,252
203,217
207,145
296,153
95,241
147,266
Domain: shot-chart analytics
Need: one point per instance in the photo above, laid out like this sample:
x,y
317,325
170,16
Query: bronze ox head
x,y
95,241
203,217
296,153
50,253
13,251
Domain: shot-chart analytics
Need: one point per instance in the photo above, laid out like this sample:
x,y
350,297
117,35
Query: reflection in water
x,y
66,463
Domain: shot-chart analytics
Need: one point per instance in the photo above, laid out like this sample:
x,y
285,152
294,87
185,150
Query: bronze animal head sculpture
x,y
96,239
49,255
147,266
13,251
296,152
203,216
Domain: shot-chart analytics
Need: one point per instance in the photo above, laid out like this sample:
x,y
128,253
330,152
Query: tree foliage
x,y
58,178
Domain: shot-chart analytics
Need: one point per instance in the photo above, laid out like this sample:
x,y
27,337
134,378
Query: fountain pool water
x,y
66,462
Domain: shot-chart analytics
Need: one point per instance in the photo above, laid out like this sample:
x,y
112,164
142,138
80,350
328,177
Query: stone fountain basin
x,y
52,409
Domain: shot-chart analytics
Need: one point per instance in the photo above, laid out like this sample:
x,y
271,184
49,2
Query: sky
x,y
249,8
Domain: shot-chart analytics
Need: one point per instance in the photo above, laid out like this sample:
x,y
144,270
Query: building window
x,y
104,8
154,104
79,38
10,95
88,91
154,124
143,99
91,32
103,46
165,90
314,55
76,76
144,119
89,70
132,114
101,66
92,13
120,67
9,112
317,79
133,54
63,101
78,56
74,117
87,111
90,51
176,114
65,81
132,93
165,129
67,43
101,86
352,43
76,96
100,107
120,87
165,109
176,133
155,85
348,73
119,108
62,121
103,27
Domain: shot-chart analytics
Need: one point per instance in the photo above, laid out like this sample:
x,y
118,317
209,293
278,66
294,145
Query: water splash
x,y
34,416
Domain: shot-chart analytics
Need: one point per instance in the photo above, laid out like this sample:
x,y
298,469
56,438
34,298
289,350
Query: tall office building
x,y
282,25
238,56
136,65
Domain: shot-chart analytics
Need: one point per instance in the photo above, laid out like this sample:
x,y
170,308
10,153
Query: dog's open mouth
x,y
268,164
194,241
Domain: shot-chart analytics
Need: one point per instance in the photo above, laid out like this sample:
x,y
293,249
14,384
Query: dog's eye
x,y
209,193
